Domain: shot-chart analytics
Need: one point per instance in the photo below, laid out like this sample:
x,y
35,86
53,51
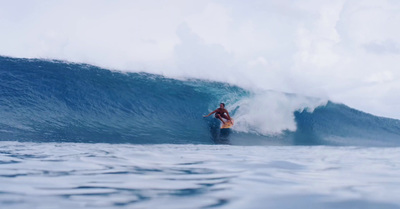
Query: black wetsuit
x,y
219,112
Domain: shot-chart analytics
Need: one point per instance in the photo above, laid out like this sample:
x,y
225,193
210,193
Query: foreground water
x,y
82,175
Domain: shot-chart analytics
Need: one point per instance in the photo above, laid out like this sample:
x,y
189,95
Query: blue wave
x,y
54,101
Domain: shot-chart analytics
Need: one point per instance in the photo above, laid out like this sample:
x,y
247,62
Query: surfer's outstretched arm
x,y
210,113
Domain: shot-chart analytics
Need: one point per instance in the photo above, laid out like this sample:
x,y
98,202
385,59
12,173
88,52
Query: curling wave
x,y
54,101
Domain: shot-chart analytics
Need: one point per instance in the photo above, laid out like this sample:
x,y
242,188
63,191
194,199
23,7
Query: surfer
x,y
220,113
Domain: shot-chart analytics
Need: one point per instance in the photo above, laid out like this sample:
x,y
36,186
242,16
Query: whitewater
x,y
77,135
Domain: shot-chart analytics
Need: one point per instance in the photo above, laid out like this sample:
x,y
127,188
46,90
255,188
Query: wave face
x,y
54,101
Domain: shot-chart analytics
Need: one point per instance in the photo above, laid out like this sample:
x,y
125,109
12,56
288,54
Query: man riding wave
x,y
220,113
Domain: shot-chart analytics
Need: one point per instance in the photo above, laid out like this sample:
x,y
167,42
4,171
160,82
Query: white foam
x,y
271,113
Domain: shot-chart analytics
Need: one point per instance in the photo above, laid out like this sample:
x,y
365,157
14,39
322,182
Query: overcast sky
x,y
344,50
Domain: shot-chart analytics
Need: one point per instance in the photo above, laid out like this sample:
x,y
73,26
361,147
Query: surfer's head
x,y
222,105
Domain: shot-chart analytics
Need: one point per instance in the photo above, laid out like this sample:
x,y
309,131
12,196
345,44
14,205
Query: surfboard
x,y
228,124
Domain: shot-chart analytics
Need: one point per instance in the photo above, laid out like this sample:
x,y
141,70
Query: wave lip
x,y
44,101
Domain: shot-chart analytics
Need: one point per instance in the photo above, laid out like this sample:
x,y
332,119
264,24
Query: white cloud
x,y
383,47
347,50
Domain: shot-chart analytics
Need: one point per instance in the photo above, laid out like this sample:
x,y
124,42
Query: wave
x,y
55,101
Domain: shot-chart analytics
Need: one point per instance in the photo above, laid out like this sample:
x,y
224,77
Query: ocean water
x,y
85,175
78,136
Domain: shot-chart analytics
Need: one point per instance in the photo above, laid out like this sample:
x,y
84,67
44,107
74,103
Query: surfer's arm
x,y
210,113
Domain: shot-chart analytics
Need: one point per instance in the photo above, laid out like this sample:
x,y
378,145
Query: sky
x,y
347,51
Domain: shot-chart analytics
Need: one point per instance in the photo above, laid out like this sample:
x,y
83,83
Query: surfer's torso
x,y
221,111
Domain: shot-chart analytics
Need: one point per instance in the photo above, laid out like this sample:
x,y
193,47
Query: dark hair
x,y
223,104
